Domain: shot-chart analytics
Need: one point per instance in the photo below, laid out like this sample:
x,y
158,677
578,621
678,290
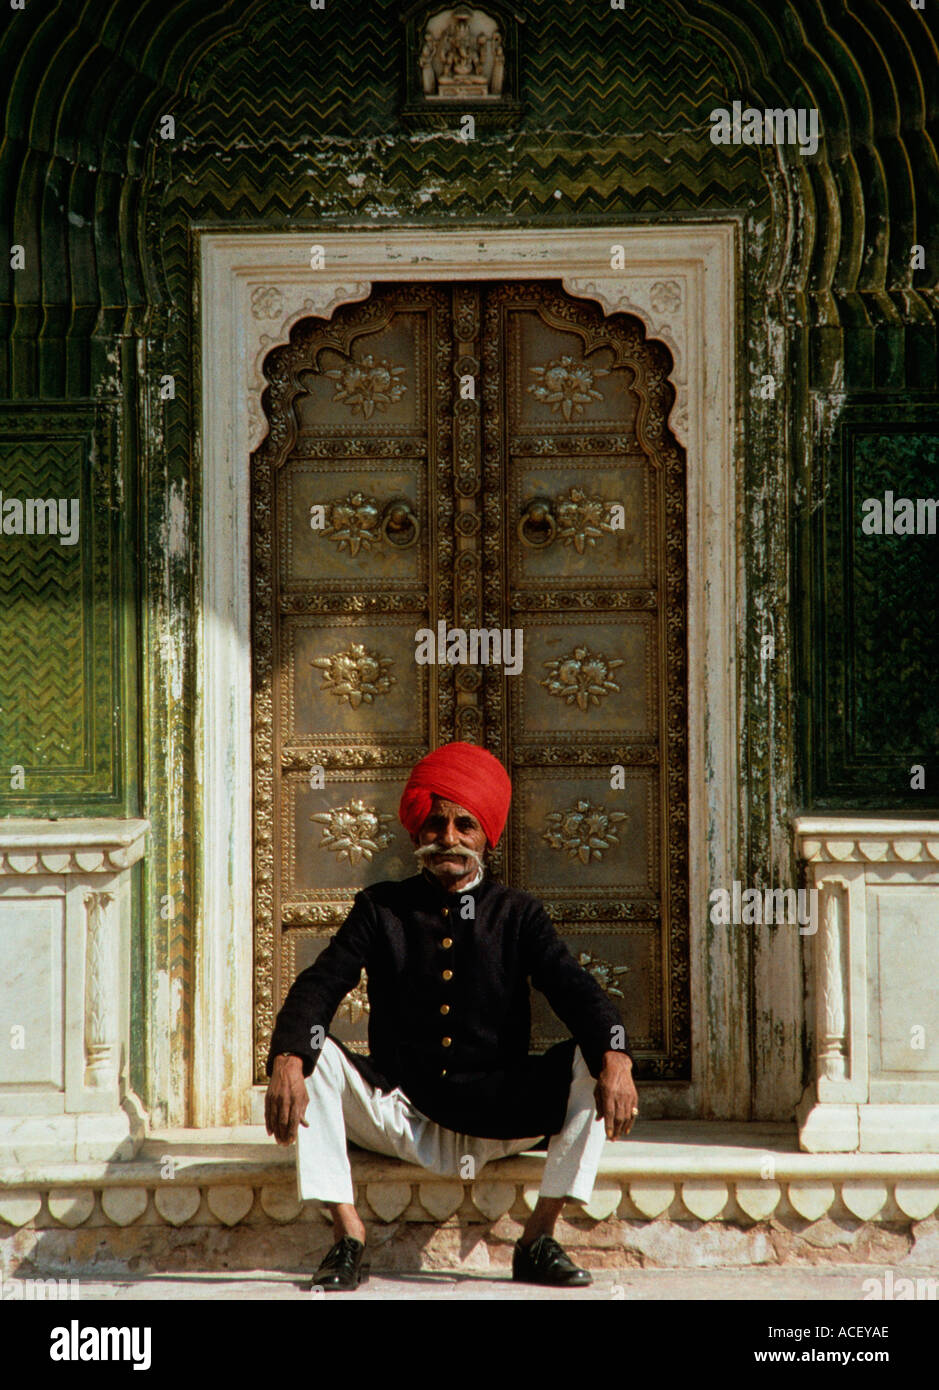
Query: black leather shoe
x,y
544,1262
342,1268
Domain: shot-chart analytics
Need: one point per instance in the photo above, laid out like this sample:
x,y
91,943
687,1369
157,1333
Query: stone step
x,y
677,1194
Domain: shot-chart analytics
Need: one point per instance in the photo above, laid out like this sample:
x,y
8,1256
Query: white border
x,y
681,282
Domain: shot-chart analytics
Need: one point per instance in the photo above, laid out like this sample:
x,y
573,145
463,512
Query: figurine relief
x,y
462,56
426,60
497,75
458,58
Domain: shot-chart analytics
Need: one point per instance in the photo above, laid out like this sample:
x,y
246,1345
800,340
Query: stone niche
x,y
876,964
461,59
65,912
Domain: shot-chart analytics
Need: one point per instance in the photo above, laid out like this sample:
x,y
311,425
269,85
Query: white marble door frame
x,y
681,282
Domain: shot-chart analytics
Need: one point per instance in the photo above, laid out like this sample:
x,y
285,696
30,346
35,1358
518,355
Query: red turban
x,y
463,773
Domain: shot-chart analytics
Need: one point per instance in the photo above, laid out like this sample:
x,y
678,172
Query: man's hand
x,y
616,1095
286,1100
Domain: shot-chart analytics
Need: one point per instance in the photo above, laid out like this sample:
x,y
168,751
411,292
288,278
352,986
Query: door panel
x,y
359,545
571,492
360,427
549,498
593,530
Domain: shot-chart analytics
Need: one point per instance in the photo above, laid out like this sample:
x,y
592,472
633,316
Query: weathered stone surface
x,y
705,1200
177,1205
388,1199
124,1205
230,1204
917,1199
674,1244
410,1246
811,1199
445,1249
507,1229
864,1199
758,1199
27,1140
652,1198
19,1208
71,1206
830,1241
109,1138
441,1199
280,1203
582,1235
493,1199
925,1248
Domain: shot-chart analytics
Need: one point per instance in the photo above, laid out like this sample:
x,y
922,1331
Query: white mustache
x,y
460,851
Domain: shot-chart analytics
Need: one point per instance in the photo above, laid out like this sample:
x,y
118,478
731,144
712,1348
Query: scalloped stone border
x,y
70,846
737,1201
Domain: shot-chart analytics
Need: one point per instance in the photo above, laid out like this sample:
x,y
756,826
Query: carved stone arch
x,y
241,322
649,362
281,304
659,302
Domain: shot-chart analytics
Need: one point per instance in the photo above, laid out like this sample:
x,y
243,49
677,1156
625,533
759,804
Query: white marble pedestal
x,y
876,979
65,907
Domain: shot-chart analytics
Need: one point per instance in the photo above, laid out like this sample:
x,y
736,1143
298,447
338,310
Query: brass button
x,y
445,1042
444,1072
448,974
444,1008
447,942
446,912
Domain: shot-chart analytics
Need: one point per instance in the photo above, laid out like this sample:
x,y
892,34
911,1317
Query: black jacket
x,y
483,1081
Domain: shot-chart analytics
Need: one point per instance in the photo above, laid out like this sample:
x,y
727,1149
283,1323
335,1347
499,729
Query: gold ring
x,y
635,1112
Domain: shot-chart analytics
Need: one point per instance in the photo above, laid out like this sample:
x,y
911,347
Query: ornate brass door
x,y
489,457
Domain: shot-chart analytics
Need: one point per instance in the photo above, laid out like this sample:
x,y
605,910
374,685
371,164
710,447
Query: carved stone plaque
x,y
462,55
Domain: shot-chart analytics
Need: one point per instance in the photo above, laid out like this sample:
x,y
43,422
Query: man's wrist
x,y
616,1059
287,1057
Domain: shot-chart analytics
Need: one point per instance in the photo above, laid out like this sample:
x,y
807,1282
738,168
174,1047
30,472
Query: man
x,y
448,954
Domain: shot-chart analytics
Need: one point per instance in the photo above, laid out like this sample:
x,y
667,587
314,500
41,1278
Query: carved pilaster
x,y
876,1084
832,984
100,991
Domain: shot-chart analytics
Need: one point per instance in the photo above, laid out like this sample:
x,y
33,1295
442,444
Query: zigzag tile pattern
x,y
585,68
87,89
42,628
307,74
613,122
588,67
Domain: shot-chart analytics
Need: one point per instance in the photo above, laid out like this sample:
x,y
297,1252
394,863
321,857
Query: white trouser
x,y
344,1106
